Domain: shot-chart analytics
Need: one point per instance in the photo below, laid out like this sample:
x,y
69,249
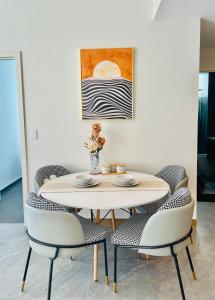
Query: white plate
x,y
125,184
94,183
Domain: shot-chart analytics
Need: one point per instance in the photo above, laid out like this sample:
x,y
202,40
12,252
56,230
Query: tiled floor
x,y
154,279
11,204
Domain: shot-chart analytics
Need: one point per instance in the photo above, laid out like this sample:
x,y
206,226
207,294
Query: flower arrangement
x,y
96,142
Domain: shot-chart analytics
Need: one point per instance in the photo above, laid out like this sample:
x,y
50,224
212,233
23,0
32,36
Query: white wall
x,y
166,63
156,6
10,167
207,60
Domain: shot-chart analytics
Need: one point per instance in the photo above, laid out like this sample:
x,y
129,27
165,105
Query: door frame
x,y
16,55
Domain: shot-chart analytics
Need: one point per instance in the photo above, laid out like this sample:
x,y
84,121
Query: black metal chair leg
x,y
179,276
91,214
191,263
115,269
26,269
50,278
106,264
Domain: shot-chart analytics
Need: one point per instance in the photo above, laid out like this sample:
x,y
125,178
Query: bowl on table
x,y
83,179
125,179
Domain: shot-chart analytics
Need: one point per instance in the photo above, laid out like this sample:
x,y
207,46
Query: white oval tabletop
x,y
113,199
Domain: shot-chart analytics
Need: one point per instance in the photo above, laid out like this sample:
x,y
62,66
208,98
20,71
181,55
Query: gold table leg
x,y
96,251
113,220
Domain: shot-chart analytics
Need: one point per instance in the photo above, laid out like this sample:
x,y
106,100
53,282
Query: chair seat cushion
x,y
131,231
150,208
180,198
92,232
41,203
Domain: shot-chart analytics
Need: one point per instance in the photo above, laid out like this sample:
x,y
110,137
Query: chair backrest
x,y
168,226
174,175
54,227
45,173
182,183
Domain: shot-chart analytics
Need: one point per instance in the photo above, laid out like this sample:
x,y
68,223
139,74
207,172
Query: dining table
x,y
105,195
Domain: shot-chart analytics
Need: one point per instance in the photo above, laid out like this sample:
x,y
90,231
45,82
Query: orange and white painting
x,y
107,83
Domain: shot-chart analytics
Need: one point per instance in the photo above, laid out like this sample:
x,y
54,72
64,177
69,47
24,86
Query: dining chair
x,y
45,172
164,233
176,177
61,234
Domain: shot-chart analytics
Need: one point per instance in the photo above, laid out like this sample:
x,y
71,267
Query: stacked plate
x,y
125,180
84,181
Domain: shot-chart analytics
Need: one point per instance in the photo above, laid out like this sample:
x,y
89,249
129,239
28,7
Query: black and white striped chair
x,y
58,233
164,233
176,177
45,172
48,172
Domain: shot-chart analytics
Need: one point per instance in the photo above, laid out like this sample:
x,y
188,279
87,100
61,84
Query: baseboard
x,y
194,223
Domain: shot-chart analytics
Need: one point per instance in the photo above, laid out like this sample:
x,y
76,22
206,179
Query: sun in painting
x,y
106,70
106,83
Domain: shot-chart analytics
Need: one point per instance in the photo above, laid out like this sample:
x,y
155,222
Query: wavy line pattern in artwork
x,y
106,99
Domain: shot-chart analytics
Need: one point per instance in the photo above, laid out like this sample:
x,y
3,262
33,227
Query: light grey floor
x,y
149,280
11,204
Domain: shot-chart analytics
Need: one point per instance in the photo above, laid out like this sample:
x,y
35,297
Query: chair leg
x,y
115,269
191,240
50,278
147,256
113,220
26,269
134,211
96,251
91,214
179,276
106,263
191,263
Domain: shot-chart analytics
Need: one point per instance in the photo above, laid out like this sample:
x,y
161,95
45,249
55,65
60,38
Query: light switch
x,y
34,134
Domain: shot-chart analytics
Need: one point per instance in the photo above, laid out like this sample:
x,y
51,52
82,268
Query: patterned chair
x,y
165,233
176,177
58,233
45,172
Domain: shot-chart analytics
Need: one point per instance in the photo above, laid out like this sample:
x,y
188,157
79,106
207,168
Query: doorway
x,y
206,137
13,172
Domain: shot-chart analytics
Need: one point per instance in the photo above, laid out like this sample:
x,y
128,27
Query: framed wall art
x,y
107,83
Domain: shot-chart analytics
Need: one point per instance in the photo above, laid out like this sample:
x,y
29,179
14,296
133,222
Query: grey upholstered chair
x,y
176,177
165,233
45,173
58,233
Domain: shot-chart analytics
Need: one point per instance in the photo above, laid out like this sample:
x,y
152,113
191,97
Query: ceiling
x,y
204,9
